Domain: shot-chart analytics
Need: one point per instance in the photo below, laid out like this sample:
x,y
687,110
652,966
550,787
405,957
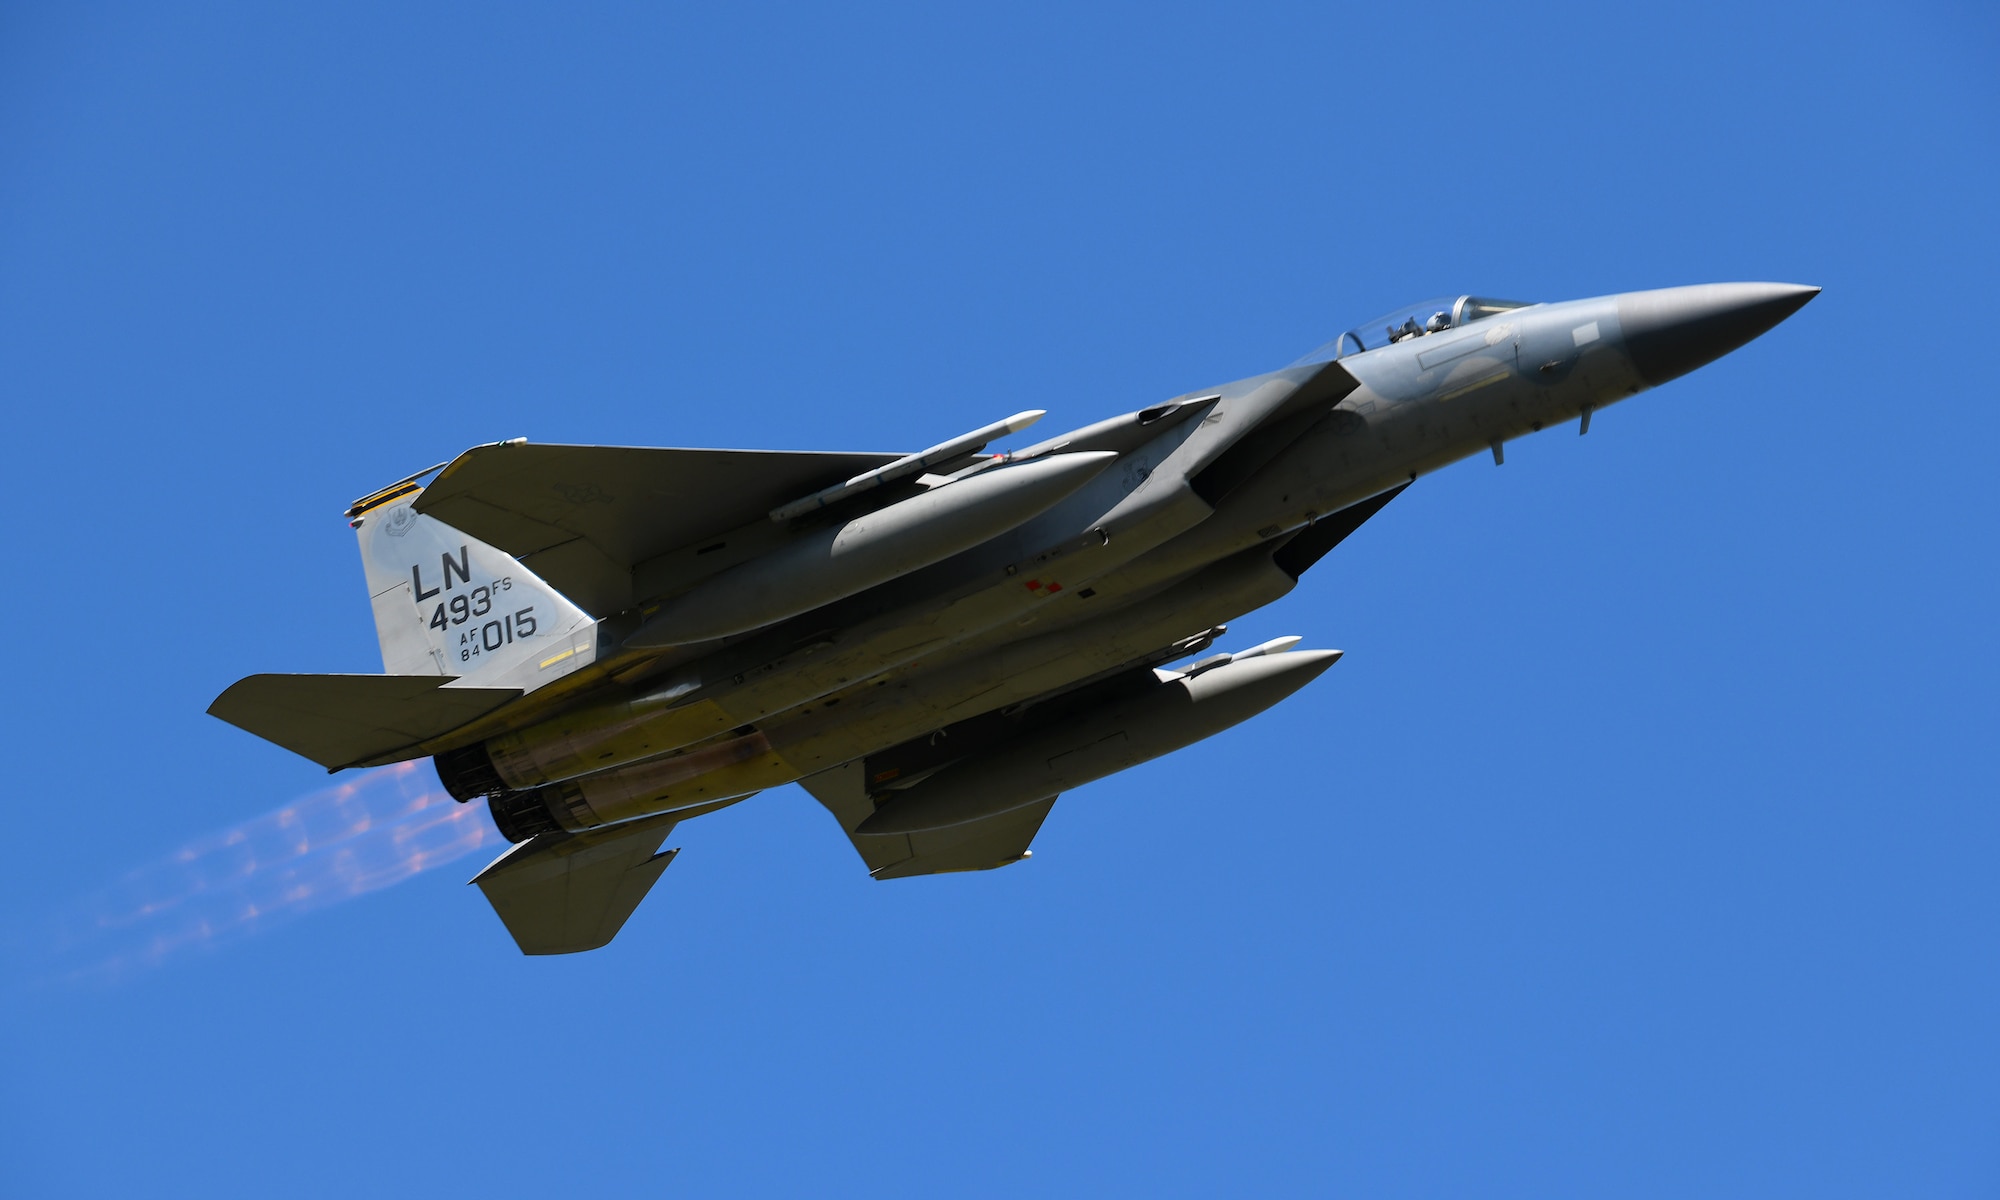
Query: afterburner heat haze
x,y
600,642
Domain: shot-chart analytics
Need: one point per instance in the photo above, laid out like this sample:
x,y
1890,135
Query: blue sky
x,y
1643,843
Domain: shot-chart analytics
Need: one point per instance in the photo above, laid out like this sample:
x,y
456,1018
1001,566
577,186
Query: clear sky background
x,y
1644,843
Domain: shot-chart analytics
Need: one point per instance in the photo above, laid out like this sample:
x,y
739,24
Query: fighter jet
x,y
601,642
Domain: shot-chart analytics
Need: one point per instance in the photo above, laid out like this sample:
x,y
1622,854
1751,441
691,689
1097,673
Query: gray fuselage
x,y
1188,528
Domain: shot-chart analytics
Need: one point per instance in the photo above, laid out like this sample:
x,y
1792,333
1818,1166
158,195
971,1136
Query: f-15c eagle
x,y
604,641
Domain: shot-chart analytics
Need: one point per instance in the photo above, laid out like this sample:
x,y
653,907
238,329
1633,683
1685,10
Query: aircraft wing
x,y
582,517
353,720
974,846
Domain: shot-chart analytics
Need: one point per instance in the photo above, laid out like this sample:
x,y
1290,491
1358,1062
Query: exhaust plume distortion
x,y
377,829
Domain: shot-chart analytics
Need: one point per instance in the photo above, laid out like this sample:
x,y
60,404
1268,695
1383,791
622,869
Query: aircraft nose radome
x,y
1672,331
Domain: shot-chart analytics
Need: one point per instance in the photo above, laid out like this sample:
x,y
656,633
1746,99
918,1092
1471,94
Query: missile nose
x,y
1672,331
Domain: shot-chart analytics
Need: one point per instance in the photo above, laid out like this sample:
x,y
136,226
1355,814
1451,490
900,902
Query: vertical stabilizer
x,y
449,604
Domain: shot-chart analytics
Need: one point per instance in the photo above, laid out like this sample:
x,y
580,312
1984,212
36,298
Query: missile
x,y
1176,712
1274,646
909,464
870,549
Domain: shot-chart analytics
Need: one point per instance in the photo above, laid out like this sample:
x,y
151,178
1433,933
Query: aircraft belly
x,y
895,712
677,782
1010,608
892,712
1019,609
999,594
569,745
1090,584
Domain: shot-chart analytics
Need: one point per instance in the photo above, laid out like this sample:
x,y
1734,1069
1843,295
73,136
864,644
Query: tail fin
x,y
449,604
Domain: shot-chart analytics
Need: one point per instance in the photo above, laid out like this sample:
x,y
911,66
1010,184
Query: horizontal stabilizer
x,y
559,893
974,846
581,517
353,720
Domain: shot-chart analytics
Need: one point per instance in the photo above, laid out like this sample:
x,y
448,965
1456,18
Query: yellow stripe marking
x,y
550,662
1474,386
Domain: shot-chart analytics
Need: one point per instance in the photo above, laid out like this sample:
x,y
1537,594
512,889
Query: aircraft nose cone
x,y
1672,331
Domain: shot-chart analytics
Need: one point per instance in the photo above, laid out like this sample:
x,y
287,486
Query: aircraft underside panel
x,y
975,846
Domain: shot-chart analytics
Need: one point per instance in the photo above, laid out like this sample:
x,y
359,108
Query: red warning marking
x,y
1034,585
1054,588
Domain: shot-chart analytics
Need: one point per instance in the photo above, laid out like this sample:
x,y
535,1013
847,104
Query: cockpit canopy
x,y
1411,321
